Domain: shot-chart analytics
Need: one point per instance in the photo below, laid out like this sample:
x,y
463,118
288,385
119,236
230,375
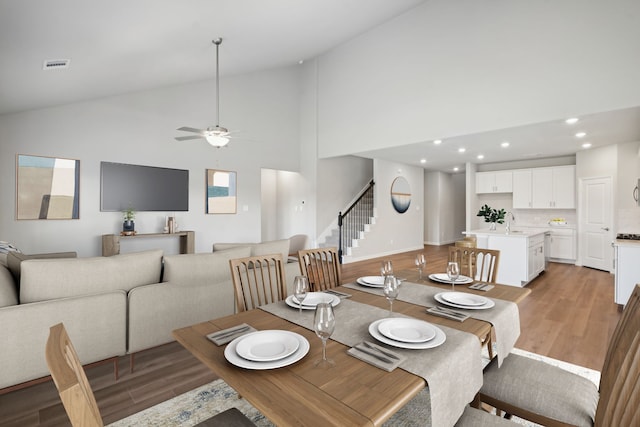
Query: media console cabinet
x,y
111,242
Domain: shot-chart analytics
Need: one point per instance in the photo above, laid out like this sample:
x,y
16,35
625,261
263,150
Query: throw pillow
x,y
6,247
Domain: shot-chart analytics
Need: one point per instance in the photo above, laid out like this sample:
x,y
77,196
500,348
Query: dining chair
x,y
258,280
76,394
548,395
322,268
467,242
479,264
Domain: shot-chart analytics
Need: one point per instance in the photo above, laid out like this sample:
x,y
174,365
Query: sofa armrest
x,y
96,323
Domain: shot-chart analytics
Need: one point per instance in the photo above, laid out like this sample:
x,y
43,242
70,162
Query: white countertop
x,y
515,232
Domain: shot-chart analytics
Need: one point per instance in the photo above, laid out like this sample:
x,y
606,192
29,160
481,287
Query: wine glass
x,y
390,290
386,269
300,289
324,322
420,262
453,271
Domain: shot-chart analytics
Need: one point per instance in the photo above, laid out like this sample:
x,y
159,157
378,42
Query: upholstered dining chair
x,y
479,264
321,266
258,280
551,396
76,394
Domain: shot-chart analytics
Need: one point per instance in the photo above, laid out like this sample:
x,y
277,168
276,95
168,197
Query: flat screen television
x,y
143,188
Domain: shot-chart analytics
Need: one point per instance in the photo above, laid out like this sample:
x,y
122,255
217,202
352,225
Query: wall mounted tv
x,y
143,188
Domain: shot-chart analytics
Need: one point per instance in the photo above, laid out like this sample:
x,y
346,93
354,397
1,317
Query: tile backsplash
x,y
629,220
541,217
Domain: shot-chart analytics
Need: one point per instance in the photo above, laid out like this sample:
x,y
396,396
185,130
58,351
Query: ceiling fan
x,y
217,135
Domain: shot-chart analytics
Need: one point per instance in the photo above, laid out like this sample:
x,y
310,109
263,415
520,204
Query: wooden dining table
x,y
352,393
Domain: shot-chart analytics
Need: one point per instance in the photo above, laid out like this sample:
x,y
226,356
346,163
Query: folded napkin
x,y
227,335
378,356
481,287
449,314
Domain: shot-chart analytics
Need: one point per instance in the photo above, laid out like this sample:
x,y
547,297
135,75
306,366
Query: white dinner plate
x,y
371,281
265,346
489,304
407,330
232,356
462,298
325,297
439,339
444,278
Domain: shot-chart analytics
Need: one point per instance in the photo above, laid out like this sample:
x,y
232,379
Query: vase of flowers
x,y
128,226
492,216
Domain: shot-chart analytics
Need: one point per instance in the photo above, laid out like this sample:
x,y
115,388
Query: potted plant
x,y
493,216
128,226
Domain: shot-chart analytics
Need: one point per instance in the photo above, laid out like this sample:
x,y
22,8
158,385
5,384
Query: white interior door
x,y
596,228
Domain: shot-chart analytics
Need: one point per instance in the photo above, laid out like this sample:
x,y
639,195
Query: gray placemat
x,y
504,316
453,370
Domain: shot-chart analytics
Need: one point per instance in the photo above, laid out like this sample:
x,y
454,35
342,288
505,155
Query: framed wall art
x,y
221,192
400,194
47,187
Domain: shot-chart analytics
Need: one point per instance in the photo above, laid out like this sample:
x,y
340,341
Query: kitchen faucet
x,y
513,218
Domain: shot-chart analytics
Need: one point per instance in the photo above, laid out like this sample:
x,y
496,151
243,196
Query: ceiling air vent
x,y
56,64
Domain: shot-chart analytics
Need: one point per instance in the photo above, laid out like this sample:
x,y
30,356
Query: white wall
x,y
394,232
139,128
445,211
449,68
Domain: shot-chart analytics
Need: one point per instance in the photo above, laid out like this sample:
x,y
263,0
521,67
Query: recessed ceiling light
x,y
572,121
437,142
480,156
423,160
461,150
586,145
301,62
456,169
581,134
505,144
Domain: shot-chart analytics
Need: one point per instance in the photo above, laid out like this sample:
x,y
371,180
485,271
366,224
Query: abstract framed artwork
x,y
400,194
47,187
221,192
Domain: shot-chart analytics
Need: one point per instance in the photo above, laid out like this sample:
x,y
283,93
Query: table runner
x,y
452,370
504,317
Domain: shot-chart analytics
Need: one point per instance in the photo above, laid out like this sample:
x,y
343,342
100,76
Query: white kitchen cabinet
x,y
627,270
562,245
522,256
522,188
535,260
494,182
553,188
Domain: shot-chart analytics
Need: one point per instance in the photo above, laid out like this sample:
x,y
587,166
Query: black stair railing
x,y
352,222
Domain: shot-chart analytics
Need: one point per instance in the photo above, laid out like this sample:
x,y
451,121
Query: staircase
x,y
354,222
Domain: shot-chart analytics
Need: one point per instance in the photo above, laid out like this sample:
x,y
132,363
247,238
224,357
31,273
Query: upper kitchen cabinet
x,y
522,189
494,182
553,188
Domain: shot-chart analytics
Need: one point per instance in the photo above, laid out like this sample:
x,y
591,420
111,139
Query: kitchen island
x,y
522,252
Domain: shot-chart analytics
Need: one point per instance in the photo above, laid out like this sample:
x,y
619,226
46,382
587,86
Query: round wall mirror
x,y
400,194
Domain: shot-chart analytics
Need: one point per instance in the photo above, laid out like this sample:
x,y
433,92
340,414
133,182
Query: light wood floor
x,y
569,315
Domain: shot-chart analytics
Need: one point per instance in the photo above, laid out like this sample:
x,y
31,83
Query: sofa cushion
x,y
14,260
8,290
3,259
202,268
45,279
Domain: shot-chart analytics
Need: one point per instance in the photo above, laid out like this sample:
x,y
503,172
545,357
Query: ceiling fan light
x,y
217,141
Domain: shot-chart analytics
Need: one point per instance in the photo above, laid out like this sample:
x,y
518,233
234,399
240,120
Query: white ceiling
x,y
122,46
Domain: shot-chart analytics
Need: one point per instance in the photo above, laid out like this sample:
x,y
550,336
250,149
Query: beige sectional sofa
x,y
112,306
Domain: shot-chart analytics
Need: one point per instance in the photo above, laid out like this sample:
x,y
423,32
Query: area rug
x,y
202,403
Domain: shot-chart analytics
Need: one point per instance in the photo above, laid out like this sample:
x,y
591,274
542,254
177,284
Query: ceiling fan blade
x,y
188,129
187,138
